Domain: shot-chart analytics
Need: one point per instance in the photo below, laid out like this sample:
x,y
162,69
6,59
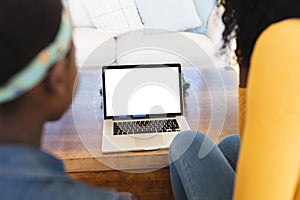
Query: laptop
x,y
143,107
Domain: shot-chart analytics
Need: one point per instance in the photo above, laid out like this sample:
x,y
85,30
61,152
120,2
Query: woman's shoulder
x,y
281,38
283,32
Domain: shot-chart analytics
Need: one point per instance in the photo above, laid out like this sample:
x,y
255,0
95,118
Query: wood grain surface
x,y
76,137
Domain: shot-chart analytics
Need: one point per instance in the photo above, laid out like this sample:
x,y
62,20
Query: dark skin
x,y
244,72
45,102
54,97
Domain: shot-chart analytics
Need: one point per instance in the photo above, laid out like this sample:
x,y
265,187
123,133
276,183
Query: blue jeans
x,y
200,169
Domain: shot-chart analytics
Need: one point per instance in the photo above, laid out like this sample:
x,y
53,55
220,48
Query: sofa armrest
x,y
216,26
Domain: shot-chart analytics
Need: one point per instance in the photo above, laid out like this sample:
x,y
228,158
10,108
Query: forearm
x,y
242,98
242,110
244,71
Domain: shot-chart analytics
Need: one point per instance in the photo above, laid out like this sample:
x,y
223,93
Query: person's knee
x,y
230,147
230,142
184,142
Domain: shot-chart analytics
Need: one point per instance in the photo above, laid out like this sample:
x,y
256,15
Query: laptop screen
x,y
142,90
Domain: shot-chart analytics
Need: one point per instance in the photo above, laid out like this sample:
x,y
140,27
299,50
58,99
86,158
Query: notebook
x,y
143,107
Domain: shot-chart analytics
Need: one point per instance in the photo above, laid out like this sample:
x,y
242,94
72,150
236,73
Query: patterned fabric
x,y
114,16
36,71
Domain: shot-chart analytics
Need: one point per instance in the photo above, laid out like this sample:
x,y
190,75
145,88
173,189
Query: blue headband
x,y
37,69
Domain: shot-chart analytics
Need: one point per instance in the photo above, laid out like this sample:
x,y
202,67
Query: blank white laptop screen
x,y
142,90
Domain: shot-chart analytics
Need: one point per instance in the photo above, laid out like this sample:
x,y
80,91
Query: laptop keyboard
x,y
146,126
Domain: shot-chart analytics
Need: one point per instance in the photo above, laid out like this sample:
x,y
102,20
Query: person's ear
x,y
56,80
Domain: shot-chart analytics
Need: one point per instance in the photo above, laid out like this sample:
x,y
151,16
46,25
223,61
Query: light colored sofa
x,y
95,49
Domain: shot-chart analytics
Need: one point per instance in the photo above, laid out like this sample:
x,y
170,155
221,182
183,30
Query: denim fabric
x,y
27,173
230,147
209,177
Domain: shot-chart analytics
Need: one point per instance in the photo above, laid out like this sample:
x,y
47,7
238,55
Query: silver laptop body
x,y
143,107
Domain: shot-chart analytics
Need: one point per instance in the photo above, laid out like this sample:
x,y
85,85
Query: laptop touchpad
x,y
150,141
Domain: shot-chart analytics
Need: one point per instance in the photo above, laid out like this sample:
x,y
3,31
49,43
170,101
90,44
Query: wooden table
x,y
76,137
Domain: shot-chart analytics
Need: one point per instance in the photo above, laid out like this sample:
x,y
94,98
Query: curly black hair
x,y
246,20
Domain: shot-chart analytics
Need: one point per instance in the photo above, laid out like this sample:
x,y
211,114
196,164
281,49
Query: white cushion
x,y
114,16
78,12
204,8
148,56
93,48
170,15
182,47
